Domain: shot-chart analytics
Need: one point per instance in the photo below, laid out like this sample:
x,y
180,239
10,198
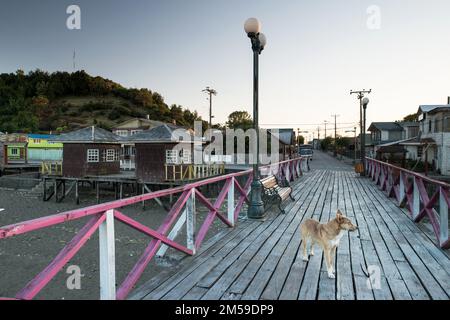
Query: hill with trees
x,y
40,102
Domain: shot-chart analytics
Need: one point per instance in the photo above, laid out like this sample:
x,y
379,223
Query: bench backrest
x,y
269,182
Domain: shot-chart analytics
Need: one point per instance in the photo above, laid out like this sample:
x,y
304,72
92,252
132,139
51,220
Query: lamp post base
x,y
256,207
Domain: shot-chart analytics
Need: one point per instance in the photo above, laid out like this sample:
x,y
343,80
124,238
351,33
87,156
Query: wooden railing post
x,y
443,216
416,199
107,258
401,190
190,221
230,204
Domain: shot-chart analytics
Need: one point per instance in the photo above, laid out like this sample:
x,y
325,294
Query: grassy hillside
x,y
61,101
106,111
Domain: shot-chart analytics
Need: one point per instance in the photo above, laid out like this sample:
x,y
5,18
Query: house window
x,y
122,133
133,132
110,155
186,156
14,151
429,126
171,156
37,140
419,152
92,155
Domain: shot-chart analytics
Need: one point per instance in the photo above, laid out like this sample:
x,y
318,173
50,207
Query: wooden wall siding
x,y
75,163
150,161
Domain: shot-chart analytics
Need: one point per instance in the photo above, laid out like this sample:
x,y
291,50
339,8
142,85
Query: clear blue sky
x,y
317,51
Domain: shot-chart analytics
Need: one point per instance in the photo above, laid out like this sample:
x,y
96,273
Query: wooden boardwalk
x,y
262,260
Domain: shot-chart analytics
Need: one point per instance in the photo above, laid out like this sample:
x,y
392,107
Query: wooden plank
x,y
309,287
296,276
199,265
187,263
263,275
212,276
428,278
253,253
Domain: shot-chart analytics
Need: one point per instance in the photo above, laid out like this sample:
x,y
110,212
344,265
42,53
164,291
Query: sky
x,y
317,51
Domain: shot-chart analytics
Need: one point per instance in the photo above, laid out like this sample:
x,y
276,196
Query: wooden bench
x,y
275,192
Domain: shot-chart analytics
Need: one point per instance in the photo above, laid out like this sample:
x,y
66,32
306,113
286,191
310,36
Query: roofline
x,y
87,142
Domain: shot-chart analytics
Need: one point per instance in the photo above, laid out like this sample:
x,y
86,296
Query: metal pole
x,y
355,145
363,145
256,208
210,110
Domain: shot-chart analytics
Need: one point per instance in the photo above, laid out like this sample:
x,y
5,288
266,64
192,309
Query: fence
x,y
412,190
51,168
188,172
183,212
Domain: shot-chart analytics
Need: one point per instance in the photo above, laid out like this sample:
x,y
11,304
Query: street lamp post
x,y
364,102
253,29
362,124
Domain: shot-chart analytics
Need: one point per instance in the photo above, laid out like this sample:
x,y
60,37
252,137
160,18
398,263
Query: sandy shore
x,y
24,256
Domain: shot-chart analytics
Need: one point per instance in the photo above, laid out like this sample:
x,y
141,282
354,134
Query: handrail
x,y
183,212
409,189
412,173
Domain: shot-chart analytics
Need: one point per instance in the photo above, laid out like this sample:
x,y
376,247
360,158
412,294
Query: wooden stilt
x,y
77,195
143,191
98,192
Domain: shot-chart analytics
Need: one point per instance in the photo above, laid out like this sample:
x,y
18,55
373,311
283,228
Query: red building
x,y
90,151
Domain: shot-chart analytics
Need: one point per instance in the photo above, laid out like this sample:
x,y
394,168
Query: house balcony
x,y
191,172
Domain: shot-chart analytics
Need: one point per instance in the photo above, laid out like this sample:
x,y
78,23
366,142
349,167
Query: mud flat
x,y
24,256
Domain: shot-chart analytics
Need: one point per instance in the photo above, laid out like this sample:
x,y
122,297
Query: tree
x,y
326,143
240,120
411,117
300,139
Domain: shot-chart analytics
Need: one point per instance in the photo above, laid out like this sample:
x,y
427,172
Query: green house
x,y
41,149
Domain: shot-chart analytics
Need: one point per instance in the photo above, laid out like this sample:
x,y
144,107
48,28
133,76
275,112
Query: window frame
x,y
91,157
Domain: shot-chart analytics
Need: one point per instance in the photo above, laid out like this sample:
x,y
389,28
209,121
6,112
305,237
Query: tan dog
x,y
327,235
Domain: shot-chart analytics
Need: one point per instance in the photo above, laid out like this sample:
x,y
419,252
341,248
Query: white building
x,y
435,136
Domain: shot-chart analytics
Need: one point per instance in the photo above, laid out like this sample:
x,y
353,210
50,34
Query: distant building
x,y
287,143
434,142
127,129
41,149
392,140
14,148
157,159
134,126
90,151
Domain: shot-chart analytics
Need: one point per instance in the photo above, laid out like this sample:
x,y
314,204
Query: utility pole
x,y
360,95
325,122
210,93
335,133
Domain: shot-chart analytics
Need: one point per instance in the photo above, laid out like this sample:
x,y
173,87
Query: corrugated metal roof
x,y
40,136
163,133
87,135
386,126
143,123
430,108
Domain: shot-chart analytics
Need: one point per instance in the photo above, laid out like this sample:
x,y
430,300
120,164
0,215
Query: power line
x,y
303,124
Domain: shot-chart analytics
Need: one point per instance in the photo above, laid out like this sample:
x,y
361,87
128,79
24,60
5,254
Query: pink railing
x,y
412,190
104,215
